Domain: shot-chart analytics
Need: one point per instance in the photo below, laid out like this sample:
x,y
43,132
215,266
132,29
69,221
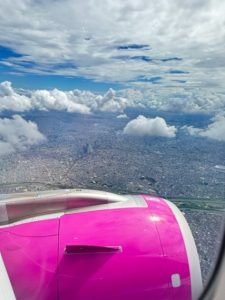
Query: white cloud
x,y
58,100
175,99
110,102
78,101
215,130
142,126
10,100
122,116
17,134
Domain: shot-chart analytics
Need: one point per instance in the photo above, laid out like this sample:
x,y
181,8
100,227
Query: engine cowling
x,y
132,247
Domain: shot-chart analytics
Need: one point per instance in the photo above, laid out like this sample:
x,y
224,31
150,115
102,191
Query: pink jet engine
x,y
92,245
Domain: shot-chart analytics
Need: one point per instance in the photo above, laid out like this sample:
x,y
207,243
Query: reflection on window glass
x,y
124,97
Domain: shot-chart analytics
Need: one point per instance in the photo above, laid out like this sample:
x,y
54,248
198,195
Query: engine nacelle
x,y
85,245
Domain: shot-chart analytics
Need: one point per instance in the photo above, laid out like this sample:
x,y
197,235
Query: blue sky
x,y
44,81
26,72
33,81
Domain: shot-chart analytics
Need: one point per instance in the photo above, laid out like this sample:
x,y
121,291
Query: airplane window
x,y
112,148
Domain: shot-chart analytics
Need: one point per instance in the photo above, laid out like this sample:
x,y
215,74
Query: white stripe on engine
x,y
6,290
192,253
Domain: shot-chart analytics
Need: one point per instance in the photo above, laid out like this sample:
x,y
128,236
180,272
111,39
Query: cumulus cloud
x,y
178,99
84,102
10,100
215,130
17,134
58,100
122,116
142,126
109,102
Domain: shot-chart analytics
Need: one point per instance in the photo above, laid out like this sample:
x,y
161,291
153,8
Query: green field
x,y
199,203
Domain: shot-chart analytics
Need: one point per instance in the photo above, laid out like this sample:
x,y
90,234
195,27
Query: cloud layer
x,y
142,126
17,134
179,99
120,41
71,101
86,102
